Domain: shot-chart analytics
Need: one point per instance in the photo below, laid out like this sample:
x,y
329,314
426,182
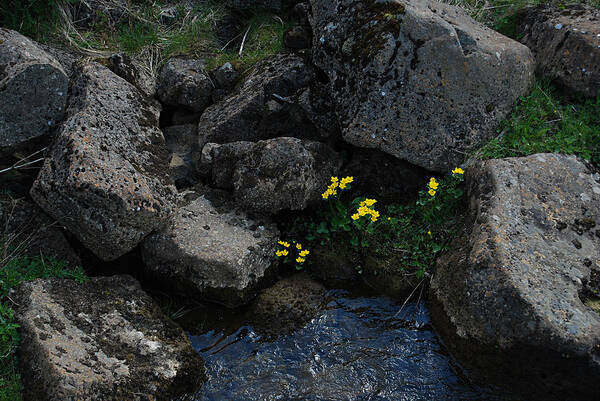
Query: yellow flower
x,y
325,194
298,246
374,216
431,192
284,252
278,253
334,185
345,181
370,202
355,216
458,170
334,179
433,184
363,210
429,232
389,218
304,253
300,260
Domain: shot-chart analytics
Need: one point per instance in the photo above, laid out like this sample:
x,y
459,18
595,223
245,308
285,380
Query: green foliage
x,y
417,232
13,273
38,19
544,121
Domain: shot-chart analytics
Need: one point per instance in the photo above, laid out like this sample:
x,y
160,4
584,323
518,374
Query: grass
x,y
13,271
545,121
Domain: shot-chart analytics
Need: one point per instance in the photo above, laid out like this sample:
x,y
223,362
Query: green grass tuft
x,y
545,121
13,273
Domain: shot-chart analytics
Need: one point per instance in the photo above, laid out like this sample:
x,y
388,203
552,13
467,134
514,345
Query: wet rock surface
x,y
288,305
419,80
510,289
33,91
104,339
266,105
183,82
31,231
566,45
215,254
104,178
275,174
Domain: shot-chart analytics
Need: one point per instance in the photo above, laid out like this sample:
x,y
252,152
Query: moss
x,y
593,303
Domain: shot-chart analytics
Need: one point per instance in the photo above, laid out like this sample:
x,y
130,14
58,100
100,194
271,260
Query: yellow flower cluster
x,y
365,209
283,252
433,186
335,184
286,244
302,254
458,170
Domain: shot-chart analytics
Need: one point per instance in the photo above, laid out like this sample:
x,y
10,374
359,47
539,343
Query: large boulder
x,y
184,83
31,232
275,174
33,91
103,178
100,340
566,45
268,104
417,79
507,295
215,254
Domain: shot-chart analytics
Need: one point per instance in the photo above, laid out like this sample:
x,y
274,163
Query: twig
x,y
243,41
408,298
16,167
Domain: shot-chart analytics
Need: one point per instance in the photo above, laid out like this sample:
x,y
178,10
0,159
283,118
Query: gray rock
x,y
104,339
509,289
182,141
566,45
419,80
226,76
275,174
32,232
33,91
183,82
183,116
266,105
103,178
288,305
218,255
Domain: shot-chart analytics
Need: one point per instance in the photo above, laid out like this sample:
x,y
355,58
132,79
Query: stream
x,y
356,348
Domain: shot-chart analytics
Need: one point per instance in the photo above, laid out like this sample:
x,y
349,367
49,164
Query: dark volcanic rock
x,y
27,228
183,82
288,305
566,45
33,91
226,76
267,104
297,37
273,175
104,339
509,290
122,65
103,178
214,254
419,80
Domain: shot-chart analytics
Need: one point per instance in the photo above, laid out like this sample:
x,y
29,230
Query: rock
x,y
297,171
288,305
122,65
33,91
104,339
300,13
182,141
417,79
566,45
265,106
508,291
297,37
183,83
226,76
26,227
88,13
377,174
103,179
225,159
218,255
335,265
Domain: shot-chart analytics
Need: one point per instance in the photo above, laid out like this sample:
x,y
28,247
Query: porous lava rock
x,y
211,253
103,178
183,82
100,340
417,79
508,293
33,91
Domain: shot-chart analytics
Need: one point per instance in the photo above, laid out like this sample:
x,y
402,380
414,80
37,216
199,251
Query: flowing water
x,y
356,348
